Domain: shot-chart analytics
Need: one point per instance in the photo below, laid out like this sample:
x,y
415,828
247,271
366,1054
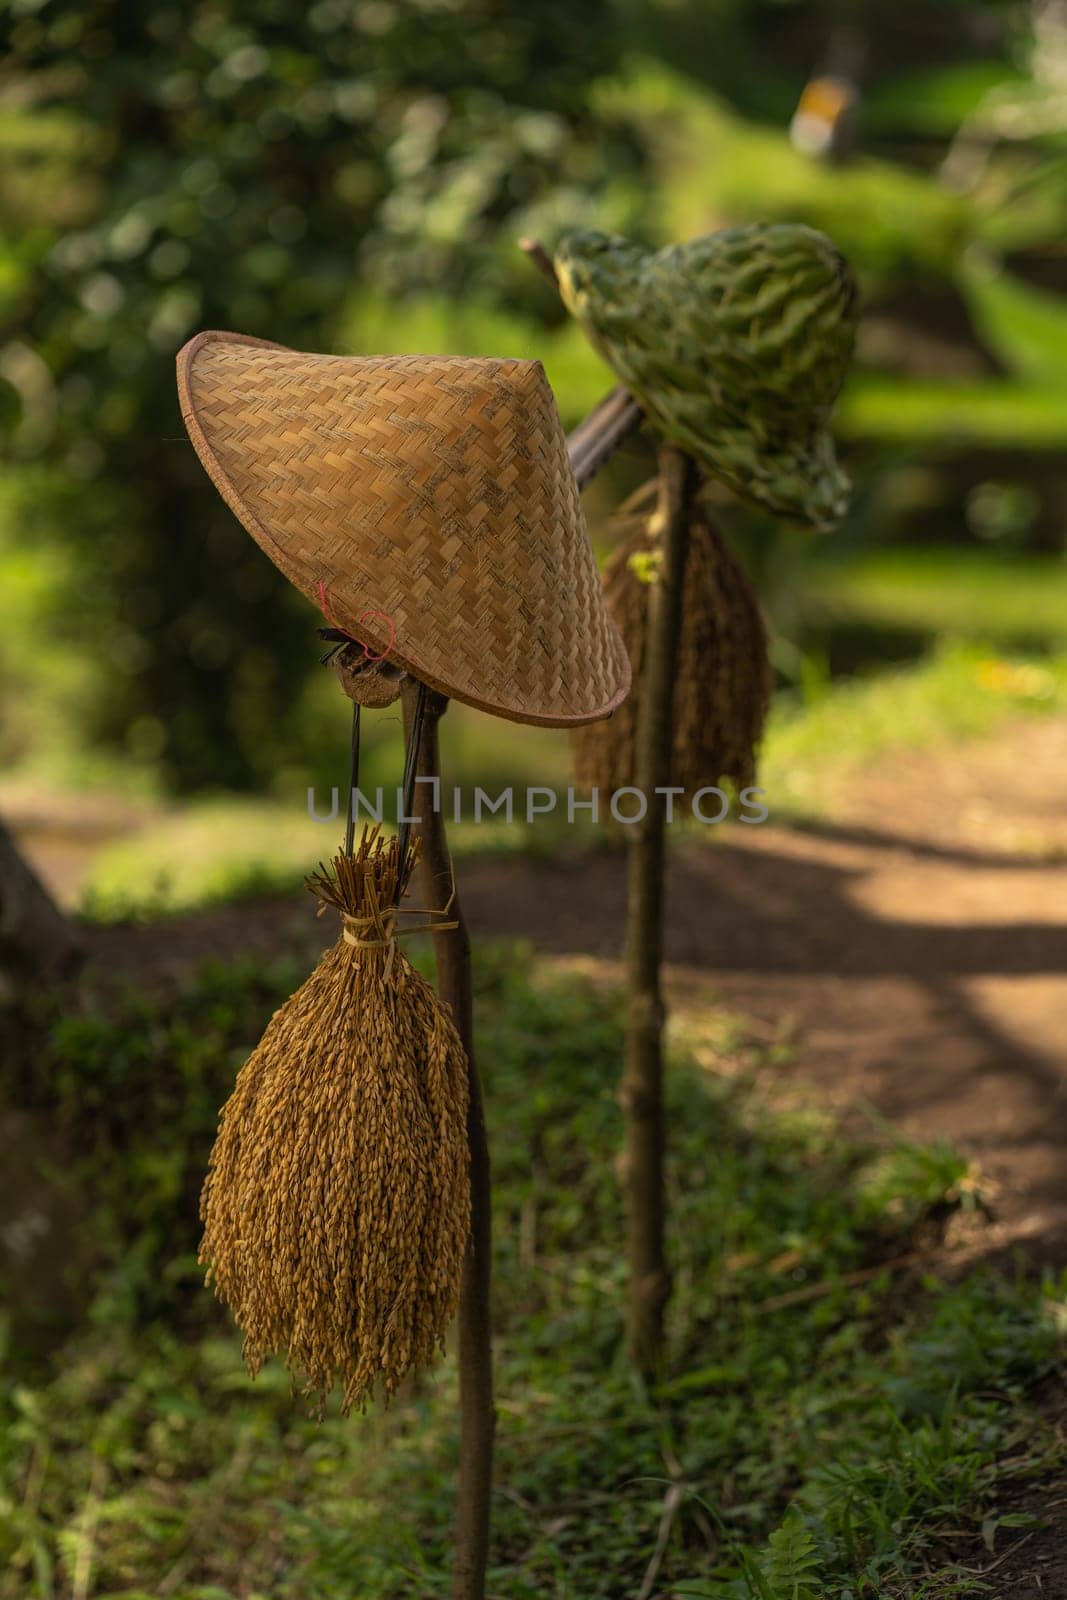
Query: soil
x,y
911,948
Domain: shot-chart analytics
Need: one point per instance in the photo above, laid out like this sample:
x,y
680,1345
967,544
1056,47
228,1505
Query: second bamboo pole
x,y
642,1081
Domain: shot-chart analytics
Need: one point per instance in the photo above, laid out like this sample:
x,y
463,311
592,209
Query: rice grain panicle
x,y
336,1208
722,681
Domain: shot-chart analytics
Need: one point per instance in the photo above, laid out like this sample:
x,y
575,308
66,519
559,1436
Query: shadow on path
x,y
951,1026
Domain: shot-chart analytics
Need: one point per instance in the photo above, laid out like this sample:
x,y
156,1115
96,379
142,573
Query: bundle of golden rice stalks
x,y
336,1207
722,681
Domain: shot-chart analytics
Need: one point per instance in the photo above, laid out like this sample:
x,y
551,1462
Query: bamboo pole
x,y
600,433
452,955
641,1092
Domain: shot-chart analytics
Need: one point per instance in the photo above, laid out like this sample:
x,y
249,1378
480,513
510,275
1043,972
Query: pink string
x,y
370,612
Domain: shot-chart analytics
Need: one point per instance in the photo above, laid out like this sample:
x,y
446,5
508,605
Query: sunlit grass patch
x,y
960,691
225,848
207,852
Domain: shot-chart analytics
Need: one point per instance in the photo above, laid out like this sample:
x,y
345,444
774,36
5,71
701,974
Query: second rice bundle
x,y
722,680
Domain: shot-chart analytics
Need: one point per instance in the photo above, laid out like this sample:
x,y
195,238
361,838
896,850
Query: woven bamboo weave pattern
x,y
426,497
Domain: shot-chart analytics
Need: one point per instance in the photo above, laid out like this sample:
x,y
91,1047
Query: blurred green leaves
x,y
886,219
904,231
243,165
1026,327
353,176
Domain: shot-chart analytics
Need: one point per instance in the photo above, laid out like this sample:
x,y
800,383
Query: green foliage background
x,y
353,175
244,166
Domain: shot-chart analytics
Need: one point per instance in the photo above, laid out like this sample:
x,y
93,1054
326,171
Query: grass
x,y
225,848
218,852
814,1432
1014,601
989,622
208,853
816,738
961,691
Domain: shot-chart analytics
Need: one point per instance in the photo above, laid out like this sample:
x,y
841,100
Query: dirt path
x,y
913,949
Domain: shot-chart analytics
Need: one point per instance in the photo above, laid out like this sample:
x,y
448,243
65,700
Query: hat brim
x,y
457,674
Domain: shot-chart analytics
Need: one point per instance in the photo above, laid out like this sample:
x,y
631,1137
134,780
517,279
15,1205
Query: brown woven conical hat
x,y
426,505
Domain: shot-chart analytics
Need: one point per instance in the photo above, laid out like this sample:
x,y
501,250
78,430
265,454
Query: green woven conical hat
x,y
735,344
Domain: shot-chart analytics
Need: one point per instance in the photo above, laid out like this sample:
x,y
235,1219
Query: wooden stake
x,y
452,954
37,941
642,1082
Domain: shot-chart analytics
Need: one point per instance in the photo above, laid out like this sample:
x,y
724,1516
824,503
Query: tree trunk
x,y
36,940
642,1082
452,953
